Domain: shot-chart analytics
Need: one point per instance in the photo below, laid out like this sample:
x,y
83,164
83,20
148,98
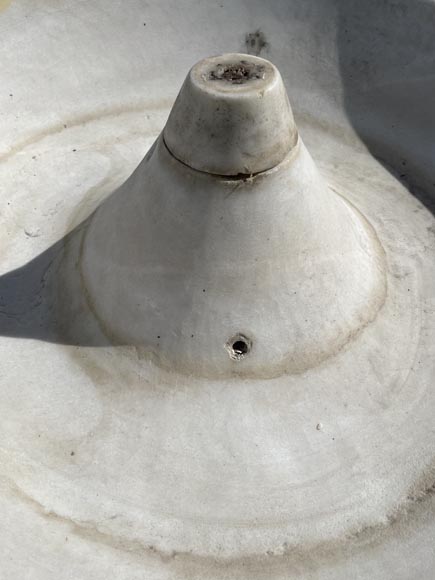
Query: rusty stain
x,y
4,4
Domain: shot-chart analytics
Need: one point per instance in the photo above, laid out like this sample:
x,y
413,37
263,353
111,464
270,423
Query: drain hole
x,y
238,347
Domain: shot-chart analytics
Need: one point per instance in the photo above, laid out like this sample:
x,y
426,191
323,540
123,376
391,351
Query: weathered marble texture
x,y
114,465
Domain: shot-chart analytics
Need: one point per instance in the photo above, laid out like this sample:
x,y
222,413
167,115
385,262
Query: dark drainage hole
x,y
238,347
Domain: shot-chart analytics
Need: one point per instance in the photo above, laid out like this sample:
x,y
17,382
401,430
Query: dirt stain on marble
x,y
4,4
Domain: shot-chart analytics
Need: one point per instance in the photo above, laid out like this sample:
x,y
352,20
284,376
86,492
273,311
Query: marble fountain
x,y
217,290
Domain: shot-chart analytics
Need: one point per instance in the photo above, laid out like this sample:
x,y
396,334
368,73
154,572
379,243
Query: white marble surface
x,y
112,465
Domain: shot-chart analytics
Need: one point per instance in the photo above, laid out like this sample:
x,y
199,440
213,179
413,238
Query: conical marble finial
x,y
213,273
